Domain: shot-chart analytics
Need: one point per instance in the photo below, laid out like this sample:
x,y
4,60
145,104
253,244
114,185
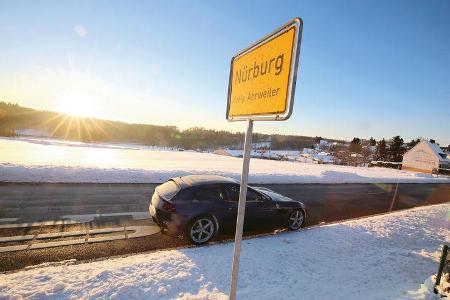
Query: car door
x,y
231,198
258,209
211,199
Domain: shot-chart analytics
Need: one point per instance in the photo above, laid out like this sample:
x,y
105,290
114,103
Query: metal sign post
x,y
261,87
241,209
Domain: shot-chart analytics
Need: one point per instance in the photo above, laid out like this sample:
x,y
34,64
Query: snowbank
x,y
426,290
44,161
261,172
382,257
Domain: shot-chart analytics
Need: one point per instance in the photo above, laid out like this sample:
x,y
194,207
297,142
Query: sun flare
x,y
77,103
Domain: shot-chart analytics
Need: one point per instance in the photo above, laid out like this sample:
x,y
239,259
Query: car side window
x,y
253,196
232,194
209,195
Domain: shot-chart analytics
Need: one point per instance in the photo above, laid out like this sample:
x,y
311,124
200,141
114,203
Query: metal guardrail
x,y
88,236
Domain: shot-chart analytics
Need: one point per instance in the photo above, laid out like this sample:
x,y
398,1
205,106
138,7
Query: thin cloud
x,y
80,30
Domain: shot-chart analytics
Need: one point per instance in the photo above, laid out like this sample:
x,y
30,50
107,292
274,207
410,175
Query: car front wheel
x,y
296,219
201,230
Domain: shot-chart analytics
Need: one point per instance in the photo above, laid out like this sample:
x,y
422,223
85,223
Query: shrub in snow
x,y
385,164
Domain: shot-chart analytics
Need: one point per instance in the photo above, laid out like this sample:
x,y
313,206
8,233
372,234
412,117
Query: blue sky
x,y
367,68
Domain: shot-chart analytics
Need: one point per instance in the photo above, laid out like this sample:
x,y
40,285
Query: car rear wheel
x,y
201,230
296,219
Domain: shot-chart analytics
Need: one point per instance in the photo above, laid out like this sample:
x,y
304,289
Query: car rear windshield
x,y
168,190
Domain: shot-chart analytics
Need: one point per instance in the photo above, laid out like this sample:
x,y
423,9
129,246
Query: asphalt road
x,y
41,202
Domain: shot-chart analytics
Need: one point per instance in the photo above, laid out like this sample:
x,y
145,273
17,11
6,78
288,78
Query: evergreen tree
x,y
396,149
372,141
413,143
355,145
381,152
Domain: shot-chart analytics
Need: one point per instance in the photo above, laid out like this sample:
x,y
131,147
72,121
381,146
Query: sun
x,y
77,103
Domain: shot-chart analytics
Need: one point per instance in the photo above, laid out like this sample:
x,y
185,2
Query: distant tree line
x,y
14,117
361,152
393,150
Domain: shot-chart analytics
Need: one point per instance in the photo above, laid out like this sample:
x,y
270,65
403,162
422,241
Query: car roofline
x,y
196,180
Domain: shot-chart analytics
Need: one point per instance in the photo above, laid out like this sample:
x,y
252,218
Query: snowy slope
x,y
382,257
42,161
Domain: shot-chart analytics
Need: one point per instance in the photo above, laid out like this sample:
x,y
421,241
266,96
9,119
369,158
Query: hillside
x,y
14,118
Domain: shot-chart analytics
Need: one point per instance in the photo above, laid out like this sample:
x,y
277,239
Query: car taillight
x,y
170,207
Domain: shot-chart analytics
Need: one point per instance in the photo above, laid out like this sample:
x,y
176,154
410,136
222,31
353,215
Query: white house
x,y
424,157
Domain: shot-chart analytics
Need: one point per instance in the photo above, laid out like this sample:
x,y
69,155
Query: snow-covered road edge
x,y
381,257
307,173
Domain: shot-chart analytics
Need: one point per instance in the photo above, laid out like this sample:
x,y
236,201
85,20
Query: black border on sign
x,y
297,24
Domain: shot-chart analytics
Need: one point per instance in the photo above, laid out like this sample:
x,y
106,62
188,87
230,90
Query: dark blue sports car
x,y
199,206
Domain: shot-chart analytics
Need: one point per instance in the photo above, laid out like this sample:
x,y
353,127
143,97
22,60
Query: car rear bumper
x,y
169,223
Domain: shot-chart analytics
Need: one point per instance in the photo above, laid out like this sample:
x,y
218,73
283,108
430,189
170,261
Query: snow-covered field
x,y
40,160
381,257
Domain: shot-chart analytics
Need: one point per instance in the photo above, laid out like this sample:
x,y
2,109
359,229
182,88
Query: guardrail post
x,y
441,267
